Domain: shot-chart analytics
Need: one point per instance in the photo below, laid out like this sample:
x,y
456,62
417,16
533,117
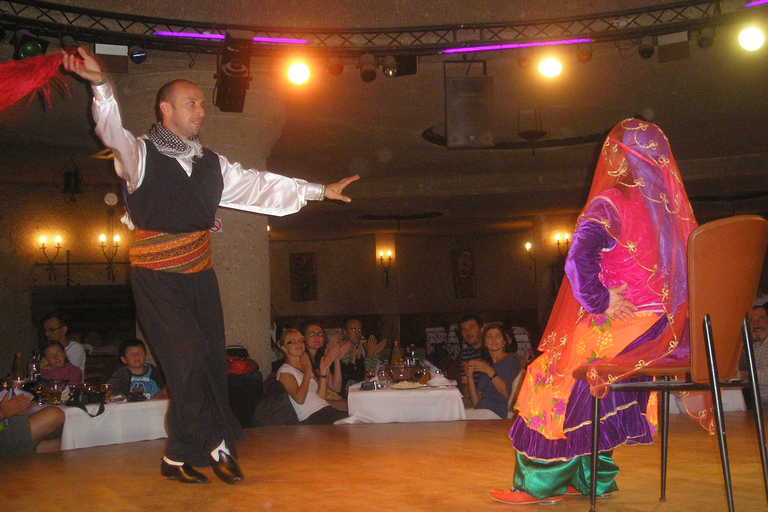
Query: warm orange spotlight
x,y
550,67
298,73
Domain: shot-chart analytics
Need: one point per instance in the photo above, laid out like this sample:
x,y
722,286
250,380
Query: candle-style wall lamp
x,y
567,242
385,266
532,255
50,259
110,253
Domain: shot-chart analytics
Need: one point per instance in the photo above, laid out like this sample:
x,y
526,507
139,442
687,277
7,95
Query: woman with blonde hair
x,y
307,392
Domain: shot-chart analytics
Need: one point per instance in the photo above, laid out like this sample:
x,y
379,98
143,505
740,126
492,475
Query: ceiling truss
x,y
88,25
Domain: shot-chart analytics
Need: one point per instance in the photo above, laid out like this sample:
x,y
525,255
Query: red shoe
x,y
515,497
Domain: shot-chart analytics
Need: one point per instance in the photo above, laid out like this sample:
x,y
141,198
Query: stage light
x,y
525,61
26,45
69,45
646,49
706,37
584,55
298,73
751,39
137,55
367,66
234,74
335,66
389,66
550,67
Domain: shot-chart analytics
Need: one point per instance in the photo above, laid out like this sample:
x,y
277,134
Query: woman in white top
x,y
305,390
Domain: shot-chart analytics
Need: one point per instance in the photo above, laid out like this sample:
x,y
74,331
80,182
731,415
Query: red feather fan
x,y
19,78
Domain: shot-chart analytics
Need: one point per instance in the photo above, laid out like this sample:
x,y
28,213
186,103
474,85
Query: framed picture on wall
x,y
303,271
464,274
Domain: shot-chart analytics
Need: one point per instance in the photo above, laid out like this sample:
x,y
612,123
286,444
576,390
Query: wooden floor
x,y
414,467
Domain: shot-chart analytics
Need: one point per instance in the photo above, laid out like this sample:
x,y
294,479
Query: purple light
x,y
512,46
194,35
755,3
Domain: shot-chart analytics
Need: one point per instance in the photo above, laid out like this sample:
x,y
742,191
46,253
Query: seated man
x,y
472,341
137,372
758,327
55,328
362,357
22,433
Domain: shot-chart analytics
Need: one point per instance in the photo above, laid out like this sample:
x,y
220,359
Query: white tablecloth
x,y
405,405
124,422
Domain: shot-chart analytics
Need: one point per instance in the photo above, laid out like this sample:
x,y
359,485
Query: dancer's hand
x,y
333,191
619,308
83,66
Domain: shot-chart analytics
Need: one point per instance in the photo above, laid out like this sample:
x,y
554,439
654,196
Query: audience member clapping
x,y
22,433
307,392
362,357
318,348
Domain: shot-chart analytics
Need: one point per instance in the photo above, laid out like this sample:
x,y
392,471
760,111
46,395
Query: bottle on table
x,y
397,357
17,371
33,367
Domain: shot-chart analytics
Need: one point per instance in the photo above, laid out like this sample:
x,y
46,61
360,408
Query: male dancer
x,y
174,187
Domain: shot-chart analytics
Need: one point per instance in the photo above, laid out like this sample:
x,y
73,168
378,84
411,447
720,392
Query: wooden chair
x,y
725,259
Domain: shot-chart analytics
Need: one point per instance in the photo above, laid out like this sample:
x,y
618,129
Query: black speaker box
x,y
469,112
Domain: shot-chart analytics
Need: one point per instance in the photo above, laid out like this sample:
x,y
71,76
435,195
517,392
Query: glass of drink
x,y
40,394
106,388
383,375
137,393
54,388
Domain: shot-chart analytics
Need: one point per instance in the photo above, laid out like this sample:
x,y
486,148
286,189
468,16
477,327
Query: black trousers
x,y
182,318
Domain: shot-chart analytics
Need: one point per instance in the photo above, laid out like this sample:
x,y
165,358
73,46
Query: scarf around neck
x,y
169,144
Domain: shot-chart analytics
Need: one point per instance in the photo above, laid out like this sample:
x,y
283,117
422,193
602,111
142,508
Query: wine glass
x,y
107,389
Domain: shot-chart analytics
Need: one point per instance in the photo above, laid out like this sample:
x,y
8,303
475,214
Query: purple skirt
x,y
623,419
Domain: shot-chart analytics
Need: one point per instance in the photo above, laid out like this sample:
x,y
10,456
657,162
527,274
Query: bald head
x,y
180,107
166,93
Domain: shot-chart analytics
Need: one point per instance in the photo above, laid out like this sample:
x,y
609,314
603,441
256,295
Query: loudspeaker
x,y
469,112
234,75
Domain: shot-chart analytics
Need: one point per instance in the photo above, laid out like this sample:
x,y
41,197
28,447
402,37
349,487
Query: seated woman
x,y
498,368
59,367
307,393
317,347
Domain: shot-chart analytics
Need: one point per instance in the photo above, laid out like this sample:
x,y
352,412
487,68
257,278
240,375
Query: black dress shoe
x,y
226,468
185,474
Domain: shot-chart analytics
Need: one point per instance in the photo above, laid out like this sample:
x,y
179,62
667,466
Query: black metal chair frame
x,y
665,386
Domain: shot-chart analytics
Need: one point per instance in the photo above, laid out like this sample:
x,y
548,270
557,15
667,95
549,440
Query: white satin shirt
x,y
244,189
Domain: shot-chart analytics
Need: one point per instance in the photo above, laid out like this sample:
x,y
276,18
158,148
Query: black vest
x,y
170,201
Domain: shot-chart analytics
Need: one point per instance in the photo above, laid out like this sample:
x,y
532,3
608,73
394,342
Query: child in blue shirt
x,y
137,373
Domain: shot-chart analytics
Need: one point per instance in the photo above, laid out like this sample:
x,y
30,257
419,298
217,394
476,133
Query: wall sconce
x,y
110,254
385,266
532,255
72,180
50,259
567,242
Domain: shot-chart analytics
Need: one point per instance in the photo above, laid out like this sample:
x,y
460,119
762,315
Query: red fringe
x,y
19,78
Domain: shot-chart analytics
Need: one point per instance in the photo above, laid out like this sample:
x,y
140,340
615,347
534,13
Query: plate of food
x,y
407,385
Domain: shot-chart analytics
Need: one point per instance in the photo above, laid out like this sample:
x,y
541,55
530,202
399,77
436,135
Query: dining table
x,y
121,422
390,405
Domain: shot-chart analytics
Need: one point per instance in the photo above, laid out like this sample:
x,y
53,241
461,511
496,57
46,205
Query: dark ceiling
x,y
712,106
